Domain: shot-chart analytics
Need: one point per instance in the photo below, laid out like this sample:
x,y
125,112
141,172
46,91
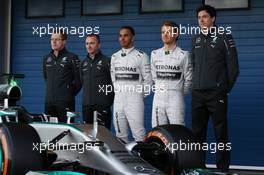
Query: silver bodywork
x,y
112,157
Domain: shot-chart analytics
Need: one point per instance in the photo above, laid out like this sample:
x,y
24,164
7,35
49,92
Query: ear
x,y
64,42
176,34
133,38
213,19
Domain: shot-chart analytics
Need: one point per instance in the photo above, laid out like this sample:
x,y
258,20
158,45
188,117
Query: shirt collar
x,y
60,53
168,51
127,51
96,56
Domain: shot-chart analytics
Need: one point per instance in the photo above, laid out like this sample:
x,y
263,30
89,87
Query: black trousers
x,y
60,110
104,115
206,103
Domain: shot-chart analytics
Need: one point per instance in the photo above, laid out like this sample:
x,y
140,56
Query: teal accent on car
x,y
60,173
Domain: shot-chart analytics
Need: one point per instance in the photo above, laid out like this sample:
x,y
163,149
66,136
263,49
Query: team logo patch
x,y
64,59
198,40
85,64
99,63
214,40
49,60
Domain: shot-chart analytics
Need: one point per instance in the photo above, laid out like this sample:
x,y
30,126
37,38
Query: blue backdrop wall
x,y
246,112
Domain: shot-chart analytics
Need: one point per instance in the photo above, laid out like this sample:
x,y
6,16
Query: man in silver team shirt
x,y
130,72
172,74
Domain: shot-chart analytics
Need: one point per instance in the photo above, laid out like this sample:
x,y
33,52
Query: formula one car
x,y
31,144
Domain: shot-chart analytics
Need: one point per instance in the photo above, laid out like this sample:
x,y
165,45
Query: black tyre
x,y
169,157
17,149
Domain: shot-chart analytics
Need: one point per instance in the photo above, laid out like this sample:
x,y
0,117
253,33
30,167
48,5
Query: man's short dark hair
x,y
209,9
131,29
96,36
63,34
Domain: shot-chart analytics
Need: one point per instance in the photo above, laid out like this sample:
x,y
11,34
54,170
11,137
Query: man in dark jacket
x,y
215,70
61,74
98,93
